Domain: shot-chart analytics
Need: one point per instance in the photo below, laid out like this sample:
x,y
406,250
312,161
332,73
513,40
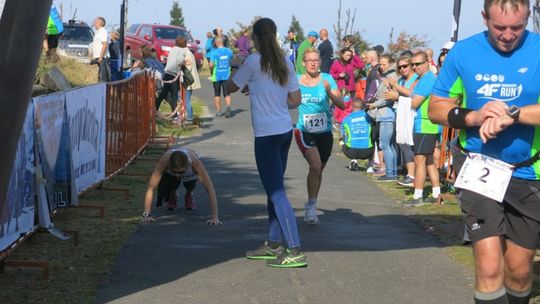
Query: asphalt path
x,y
366,250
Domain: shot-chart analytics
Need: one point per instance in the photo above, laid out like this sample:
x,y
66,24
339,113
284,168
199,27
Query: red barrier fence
x,y
130,120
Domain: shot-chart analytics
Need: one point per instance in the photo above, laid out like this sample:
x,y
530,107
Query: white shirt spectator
x,y
100,36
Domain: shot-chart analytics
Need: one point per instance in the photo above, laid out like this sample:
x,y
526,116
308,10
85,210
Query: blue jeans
x,y
387,141
271,154
189,109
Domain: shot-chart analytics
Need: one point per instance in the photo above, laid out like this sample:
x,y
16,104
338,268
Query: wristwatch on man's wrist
x,y
145,214
513,111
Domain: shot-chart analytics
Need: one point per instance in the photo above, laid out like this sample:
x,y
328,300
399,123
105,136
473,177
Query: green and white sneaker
x,y
288,260
265,252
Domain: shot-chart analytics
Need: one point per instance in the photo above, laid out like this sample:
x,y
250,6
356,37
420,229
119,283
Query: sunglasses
x,y
417,64
176,173
403,66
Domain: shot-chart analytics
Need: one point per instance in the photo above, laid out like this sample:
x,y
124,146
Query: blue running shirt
x,y
422,124
314,111
222,58
356,130
479,73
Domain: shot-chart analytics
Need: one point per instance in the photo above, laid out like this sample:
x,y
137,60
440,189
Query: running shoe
x,y
415,202
353,165
386,179
370,170
432,200
189,202
219,114
288,260
171,202
265,252
228,112
380,172
311,214
407,181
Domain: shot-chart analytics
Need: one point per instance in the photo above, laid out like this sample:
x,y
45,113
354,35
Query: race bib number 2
x,y
485,175
315,122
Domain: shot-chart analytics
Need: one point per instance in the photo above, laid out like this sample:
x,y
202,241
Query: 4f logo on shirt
x,y
502,92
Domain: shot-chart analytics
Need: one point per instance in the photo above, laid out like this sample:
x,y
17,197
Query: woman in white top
x,y
273,89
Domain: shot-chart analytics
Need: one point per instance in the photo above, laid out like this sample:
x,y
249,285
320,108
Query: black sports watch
x,y
513,111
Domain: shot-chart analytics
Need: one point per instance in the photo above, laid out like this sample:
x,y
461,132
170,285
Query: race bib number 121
x,y
315,122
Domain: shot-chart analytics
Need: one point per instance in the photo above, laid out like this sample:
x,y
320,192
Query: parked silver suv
x,y
75,41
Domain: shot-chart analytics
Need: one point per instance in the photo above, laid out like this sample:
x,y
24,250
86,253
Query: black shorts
x,y
407,153
52,41
352,153
424,143
167,188
375,130
323,142
218,86
517,218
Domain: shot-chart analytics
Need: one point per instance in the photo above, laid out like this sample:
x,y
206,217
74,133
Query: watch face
x,y
513,110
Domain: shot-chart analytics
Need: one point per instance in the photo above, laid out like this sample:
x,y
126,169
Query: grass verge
x,y
75,272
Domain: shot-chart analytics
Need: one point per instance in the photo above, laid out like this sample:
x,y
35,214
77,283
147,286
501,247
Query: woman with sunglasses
x,y
179,165
403,87
269,78
314,128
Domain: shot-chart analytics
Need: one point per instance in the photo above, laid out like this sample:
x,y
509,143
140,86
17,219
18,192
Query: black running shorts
x,y
424,143
323,142
517,218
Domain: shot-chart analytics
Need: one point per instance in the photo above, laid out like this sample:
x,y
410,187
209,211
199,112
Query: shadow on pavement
x,y
179,243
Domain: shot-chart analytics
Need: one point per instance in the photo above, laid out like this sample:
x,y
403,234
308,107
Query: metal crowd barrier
x,y
130,120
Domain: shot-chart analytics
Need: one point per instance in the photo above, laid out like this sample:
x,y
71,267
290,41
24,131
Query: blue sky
x,y
373,18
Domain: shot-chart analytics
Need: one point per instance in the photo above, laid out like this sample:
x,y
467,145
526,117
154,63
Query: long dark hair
x,y
272,58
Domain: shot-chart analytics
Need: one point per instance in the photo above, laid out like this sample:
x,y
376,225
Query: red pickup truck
x,y
160,39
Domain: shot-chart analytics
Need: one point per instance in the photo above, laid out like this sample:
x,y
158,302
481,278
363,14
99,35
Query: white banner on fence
x,y
17,216
86,115
53,145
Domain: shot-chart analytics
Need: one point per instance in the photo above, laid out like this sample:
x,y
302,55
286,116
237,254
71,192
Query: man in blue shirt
x,y
356,132
220,63
495,75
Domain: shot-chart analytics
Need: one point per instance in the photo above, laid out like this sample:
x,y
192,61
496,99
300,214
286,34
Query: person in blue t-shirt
x,y
313,131
220,63
496,74
356,132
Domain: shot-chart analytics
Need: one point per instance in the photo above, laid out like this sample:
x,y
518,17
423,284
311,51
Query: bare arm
x,y
294,99
529,115
417,101
205,180
160,168
335,95
439,107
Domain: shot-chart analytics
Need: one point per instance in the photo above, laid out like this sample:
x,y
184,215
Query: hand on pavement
x,y
214,222
147,219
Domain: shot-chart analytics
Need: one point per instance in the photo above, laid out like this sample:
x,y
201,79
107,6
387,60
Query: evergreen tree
x,y
176,15
295,25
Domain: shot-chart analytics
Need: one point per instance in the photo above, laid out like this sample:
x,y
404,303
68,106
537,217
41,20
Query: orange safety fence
x,y
130,120
445,159
130,127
